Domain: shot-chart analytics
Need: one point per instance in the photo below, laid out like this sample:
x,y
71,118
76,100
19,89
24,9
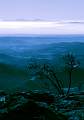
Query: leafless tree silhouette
x,y
47,71
71,64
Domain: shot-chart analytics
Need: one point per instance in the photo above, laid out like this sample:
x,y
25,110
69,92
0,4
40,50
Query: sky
x,y
44,11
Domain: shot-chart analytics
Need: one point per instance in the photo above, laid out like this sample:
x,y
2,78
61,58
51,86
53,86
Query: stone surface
x,y
41,105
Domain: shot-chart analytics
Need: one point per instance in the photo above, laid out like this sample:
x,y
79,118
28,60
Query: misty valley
x,y
42,71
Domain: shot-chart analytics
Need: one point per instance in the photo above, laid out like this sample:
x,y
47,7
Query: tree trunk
x,y
70,78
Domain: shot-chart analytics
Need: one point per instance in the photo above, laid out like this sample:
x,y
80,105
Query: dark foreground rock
x,y
32,110
38,105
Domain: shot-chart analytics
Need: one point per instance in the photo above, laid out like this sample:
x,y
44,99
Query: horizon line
x,y
42,27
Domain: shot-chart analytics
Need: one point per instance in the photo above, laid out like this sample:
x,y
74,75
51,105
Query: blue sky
x,y
42,9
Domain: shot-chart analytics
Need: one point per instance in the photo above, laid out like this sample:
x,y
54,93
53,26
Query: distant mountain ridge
x,y
22,53
15,55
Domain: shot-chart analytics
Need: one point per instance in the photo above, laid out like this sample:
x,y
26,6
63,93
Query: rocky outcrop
x,y
39,105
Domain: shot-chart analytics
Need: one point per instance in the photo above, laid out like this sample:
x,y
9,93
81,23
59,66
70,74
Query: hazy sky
x,y
42,9
55,11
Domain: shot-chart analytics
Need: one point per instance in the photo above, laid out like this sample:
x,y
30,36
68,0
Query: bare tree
x,y
71,63
47,71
